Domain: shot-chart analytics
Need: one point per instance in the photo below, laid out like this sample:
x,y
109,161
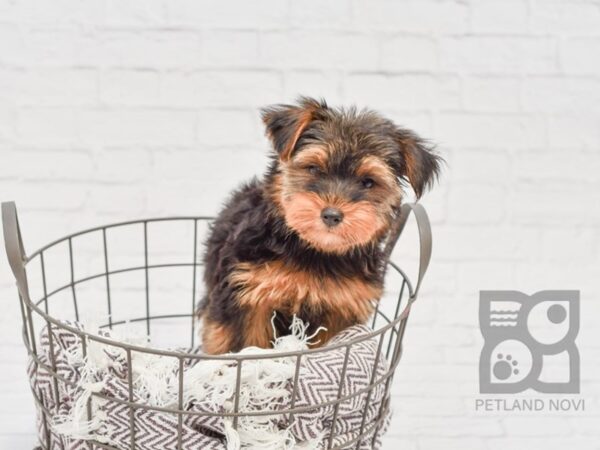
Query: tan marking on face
x,y
313,155
216,338
275,286
362,221
373,167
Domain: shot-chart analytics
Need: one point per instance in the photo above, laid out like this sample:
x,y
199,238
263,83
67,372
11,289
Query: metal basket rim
x,y
182,354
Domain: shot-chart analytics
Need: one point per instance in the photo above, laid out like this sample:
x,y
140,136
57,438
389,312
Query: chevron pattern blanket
x,y
87,402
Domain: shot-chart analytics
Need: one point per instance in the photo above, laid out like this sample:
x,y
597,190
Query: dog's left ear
x,y
285,123
420,164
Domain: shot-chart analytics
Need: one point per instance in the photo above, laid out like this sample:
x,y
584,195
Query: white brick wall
x,y
111,110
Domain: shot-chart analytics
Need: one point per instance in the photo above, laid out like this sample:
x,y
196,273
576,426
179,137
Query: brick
x,y
451,443
507,17
47,196
499,55
575,131
129,87
336,14
212,165
211,176
477,204
415,16
227,127
9,79
230,48
436,200
558,17
142,13
179,89
453,336
12,44
478,165
48,164
476,276
491,94
396,442
134,165
18,423
544,443
445,426
318,50
586,425
560,95
52,47
537,202
221,89
532,276
314,83
7,121
409,53
8,9
218,14
131,200
147,49
463,355
577,55
485,243
431,407
402,92
47,125
441,282
58,87
530,426
63,12
152,127
565,165
491,131
177,198
440,388
561,245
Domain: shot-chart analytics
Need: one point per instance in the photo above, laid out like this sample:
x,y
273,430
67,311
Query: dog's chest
x,y
276,286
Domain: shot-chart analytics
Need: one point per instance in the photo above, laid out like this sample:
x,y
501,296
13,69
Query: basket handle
x,y
425,238
13,242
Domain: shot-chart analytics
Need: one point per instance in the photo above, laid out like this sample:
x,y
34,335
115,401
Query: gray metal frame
x,y
392,328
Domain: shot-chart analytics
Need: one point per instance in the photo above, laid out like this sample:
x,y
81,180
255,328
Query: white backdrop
x,y
112,110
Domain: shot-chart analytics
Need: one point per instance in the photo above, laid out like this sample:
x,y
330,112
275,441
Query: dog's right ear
x,y
285,123
421,165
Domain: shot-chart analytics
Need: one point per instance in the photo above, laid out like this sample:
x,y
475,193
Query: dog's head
x,y
338,174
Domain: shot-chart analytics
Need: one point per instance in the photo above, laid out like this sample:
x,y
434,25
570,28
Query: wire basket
x,y
145,274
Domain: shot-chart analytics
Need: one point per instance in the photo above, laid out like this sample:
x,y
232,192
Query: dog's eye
x,y
314,170
368,183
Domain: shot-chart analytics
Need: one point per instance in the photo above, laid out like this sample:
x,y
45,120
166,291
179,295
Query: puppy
x,y
307,239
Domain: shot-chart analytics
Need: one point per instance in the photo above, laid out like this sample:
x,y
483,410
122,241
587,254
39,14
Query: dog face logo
x,y
529,342
337,174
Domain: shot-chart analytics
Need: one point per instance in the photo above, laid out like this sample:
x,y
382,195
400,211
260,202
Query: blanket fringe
x,y
211,383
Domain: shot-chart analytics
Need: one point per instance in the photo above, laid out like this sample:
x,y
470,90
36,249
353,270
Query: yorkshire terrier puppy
x,y
308,238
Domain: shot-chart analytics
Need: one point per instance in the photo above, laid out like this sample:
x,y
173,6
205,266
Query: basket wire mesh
x,y
106,263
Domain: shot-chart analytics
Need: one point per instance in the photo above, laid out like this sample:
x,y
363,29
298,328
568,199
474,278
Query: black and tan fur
x,y
273,249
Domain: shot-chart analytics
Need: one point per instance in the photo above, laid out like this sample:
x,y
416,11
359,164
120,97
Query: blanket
x,y
88,403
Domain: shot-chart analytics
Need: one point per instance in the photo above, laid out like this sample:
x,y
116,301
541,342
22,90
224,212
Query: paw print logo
x,y
505,367
524,333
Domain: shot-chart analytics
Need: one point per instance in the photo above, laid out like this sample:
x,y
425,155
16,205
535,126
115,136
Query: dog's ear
x,y
420,164
285,123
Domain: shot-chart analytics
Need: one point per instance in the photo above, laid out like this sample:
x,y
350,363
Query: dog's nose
x,y
332,216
